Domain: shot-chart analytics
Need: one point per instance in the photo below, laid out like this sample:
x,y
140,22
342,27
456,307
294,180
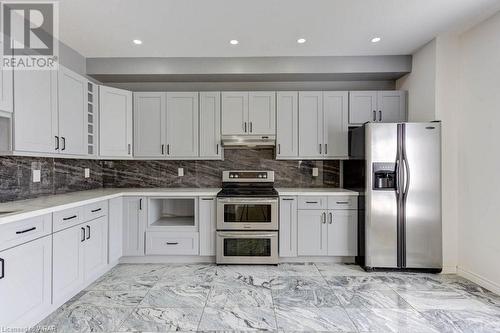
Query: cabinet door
x,y
182,124
343,233
287,124
312,233
25,283
288,227
134,225
95,248
149,124
115,220
208,225
35,111
262,113
68,276
391,106
362,107
335,125
5,88
234,113
311,124
115,122
210,145
72,112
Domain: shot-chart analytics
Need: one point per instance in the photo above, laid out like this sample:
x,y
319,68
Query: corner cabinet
x,y
377,106
115,122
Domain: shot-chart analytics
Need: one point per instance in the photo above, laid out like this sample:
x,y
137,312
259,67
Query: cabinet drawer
x,y
67,218
343,202
311,202
93,211
171,243
15,233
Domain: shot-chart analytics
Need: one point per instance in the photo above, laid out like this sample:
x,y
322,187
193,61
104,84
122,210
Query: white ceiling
x,y
203,28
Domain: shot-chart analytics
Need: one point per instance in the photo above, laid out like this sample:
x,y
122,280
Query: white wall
x,y
421,84
479,155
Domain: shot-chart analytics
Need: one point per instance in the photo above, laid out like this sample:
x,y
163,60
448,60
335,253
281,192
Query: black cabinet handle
x,y
57,142
3,268
380,116
88,229
279,148
24,231
326,148
374,115
172,243
342,202
63,143
287,199
83,234
311,202
96,210
245,126
217,148
70,218
162,149
251,127
207,199
140,204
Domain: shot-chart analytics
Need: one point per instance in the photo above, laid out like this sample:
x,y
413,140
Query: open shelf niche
x,y
173,213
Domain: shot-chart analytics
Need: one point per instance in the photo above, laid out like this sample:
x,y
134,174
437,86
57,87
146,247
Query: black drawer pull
x,y
70,218
88,231
24,231
311,202
172,243
287,199
3,268
342,202
96,210
207,199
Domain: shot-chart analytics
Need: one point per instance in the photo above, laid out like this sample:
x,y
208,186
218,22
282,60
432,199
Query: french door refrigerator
x,y
402,227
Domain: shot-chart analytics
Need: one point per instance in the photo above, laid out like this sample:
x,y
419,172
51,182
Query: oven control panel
x,y
247,176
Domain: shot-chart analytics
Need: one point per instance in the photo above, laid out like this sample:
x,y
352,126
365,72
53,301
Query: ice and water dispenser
x,y
384,176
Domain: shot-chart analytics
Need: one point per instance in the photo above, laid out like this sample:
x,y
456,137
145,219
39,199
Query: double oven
x,y
247,218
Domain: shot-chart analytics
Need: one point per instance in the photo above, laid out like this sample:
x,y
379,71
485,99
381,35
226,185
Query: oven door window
x,y
247,247
247,213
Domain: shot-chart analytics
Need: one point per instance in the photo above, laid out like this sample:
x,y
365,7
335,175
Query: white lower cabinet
x,y
115,239
134,225
288,227
79,257
207,213
312,233
25,283
343,233
171,243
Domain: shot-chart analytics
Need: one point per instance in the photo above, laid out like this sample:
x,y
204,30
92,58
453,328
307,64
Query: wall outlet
x,y
37,176
180,172
315,172
87,172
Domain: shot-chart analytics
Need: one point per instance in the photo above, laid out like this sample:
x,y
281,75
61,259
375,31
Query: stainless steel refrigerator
x,y
402,218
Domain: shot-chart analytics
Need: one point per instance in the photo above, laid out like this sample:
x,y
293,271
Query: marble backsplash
x,y
67,175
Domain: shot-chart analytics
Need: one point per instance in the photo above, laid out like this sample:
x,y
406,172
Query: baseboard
x,y
168,260
476,278
449,270
347,260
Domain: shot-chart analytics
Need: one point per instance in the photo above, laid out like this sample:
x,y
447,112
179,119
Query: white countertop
x,y
315,191
48,204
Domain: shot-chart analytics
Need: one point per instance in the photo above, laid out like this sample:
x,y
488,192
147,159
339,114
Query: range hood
x,y
248,141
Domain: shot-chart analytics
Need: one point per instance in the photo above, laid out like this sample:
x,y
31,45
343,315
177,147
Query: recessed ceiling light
x,y
137,41
376,39
234,42
301,40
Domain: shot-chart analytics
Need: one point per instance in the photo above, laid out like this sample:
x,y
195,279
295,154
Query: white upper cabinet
x,y
262,113
311,124
335,123
287,124
391,106
182,124
150,124
235,113
377,106
210,112
5,88
115,122
72,112
35,111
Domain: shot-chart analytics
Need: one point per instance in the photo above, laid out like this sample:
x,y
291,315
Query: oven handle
x,y
246,200
244,235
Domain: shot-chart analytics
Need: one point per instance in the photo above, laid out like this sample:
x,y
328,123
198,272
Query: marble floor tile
x,y
466,321
412,282
318,297
306,269
162,320
235,295
334,319
441,299
389,320
179,296
113,298
238,318
298,282
129,277
486,297
371,299
242,270
357,283
459,283
335,269
87,318
245,281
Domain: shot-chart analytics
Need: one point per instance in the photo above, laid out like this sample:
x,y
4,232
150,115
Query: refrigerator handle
x,y
407,175
398,169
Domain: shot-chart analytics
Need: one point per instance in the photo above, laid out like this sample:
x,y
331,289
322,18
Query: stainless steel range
x,y
247,218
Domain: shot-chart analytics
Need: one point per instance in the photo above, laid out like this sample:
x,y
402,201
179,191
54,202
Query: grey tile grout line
x,y
274,305
206,301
